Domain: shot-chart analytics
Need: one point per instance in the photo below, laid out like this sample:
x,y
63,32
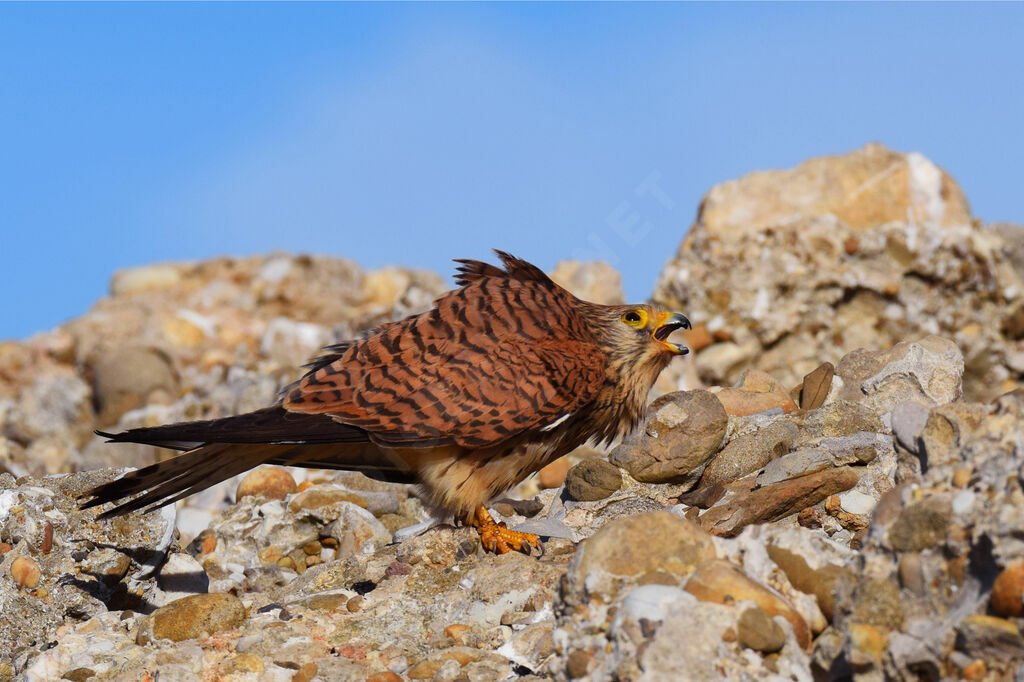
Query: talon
x,y
496,537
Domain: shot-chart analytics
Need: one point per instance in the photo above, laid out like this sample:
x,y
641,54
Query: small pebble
x,y
553,474
306,673
756,630
1008,591
962,476
25,572
273,483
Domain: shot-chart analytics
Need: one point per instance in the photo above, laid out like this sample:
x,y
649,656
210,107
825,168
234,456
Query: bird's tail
x,y
269,425
221,448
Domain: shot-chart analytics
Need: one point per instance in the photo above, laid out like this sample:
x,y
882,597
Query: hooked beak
x,y
668,323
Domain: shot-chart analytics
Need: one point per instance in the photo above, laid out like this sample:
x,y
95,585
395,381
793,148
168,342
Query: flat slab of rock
x,y
625,549
749,452
776,501
721,582
190,617
929,371
757,392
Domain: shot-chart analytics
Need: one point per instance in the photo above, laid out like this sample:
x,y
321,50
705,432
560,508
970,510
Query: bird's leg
x,y
496,537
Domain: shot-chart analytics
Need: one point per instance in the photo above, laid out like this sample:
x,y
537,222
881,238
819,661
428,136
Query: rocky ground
x,y
836,493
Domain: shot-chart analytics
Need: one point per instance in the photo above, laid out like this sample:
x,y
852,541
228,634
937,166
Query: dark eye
x,y
632,316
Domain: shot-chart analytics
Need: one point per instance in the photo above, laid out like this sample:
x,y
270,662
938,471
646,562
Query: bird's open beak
x,y
666,324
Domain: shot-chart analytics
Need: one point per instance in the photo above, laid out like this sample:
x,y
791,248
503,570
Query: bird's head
x,y
639,335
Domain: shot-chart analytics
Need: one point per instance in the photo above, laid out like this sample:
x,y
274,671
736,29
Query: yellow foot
x,y
496,537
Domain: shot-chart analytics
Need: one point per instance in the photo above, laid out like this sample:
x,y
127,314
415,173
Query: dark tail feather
x,y
188,473
170,480
269,425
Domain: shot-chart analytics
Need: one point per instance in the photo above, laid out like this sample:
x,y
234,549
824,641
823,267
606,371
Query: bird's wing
x,y
505,354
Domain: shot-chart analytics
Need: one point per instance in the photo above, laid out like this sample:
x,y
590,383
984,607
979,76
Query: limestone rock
x,y
191,617
756,630
682,432
593,281
719,581
928,371
125,378
273,483
921,525
1008,591
592,479
865,188
758,391
749,452
777,501
854,251
626,549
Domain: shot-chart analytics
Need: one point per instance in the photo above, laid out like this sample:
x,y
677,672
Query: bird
x,y
505,373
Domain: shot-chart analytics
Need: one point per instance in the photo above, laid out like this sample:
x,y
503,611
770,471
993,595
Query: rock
x,y
125,378
594,281
990,638
698,338
181,576
290,343
324,500
946,427
652,603
795,464
837,419
908,420
868,278
777,501
107,565
137,280
920,526
877,603
191,617
821,582
63,582
721,582
749,452
683,430
592,479
756,630
272,483
578,664
928,371
55,403
25,572
757,392
865,188
815,387
867,645
1008,591
677,646
625,549
553,474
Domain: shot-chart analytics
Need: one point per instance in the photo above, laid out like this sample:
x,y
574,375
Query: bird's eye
x,y
635,319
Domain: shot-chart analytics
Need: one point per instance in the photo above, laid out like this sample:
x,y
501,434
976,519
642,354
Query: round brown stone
x,y
1008,591
273,483
191,617
683,431
25,572
756,630
592,479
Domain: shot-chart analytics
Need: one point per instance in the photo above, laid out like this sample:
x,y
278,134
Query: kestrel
x,y
505,374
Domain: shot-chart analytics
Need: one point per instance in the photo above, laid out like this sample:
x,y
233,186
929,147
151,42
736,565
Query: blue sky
x,y
412,134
